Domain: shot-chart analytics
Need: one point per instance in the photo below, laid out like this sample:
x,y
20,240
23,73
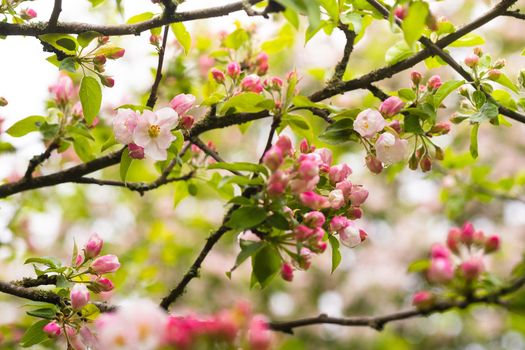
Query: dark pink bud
x,y
391,106
107,81
314,219
187,121
53,329
467,233
218,75
233,69
116,55
401,12
100,59
416,77
434,82
441,128
287,272
423,300
492,244
135,151
105,285
373,164
28,14
93,246
472,268
472,60
396,125
354,213
453,239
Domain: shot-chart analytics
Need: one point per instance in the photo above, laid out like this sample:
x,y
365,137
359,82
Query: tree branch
x,y
340,68
378,322
39,159
152,99
386,72
40,28
57,8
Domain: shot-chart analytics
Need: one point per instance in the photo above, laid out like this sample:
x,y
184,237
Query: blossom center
x,y
154,131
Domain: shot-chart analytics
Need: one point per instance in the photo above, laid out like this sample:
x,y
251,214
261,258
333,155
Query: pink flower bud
x,y
354,213
434,82
303,232
103,39
494,74
262,58
28,14
441,270
423,300
326,158
313,200
93,246
287,272
336,199
273,83
396,125
186,121
345,186
416,77
273,158
363,235
218,75
441,128
53,329
500,63
467,233
79,260
472,268
182,103
305,259
233,69
391,106
107,81
105,284
64,90
492,244
350,236
453,239
262,69
252,83
285,144
314,219
304,147
439,251
277,183
100,59
105,264
135,151
308,169
358,195
339,173
116,55
319,246
425,163
155,39
472,60
259,335
79,296
373,164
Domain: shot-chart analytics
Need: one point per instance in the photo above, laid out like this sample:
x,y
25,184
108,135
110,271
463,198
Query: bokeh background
x,y
406,211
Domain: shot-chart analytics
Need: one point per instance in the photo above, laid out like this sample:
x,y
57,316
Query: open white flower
x,y
153,132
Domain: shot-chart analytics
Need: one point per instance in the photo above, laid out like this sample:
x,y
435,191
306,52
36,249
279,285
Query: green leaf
x,y
239,166
446,89
63,42
140,18
336,254
180,192
474,141
415,22
246,217
248,249
69,64
278,221
412,124
236,39
182,35
26,125
83,148
265,264
50,262
85,38
90,97
244,102
34,334
6,147
90,312
419,265
504,80
469,39
398,52
125,162
47,312
489,111
339,132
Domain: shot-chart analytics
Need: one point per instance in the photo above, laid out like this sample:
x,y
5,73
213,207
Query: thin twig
x,y
39,159
340,68
152,99
53,20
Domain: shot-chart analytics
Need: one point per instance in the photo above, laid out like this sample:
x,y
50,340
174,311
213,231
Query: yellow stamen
x,y
154,131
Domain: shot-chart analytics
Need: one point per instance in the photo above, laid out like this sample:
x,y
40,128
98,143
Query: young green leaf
x,y
474,140
265,264
34,334
91,98
125,162
182,35
246,217
414,23
336,254
26,125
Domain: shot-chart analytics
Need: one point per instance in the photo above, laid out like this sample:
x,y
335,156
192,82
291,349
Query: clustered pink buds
x,y
460,260
252,83
434,82
297,175
63,90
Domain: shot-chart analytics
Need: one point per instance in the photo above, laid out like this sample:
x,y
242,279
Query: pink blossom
x,y
391,106
116,55
338,223
339,173
79,296
252,83
273,158
401,12
233,69
369,122
285,144
314,219
135,152
350,236
105,264
308,169
153,132
313,200
273,83
439,251
137,324
326,158
186,121
434,82
390,149
345,186
277,183
303,232
472,268
299,185
28,14
182,103
336,199
441,270
354,213
453,239
93,246
63,90
77,111
472,60
358,195
287,272
124,125
218,75
53,329
304,147
423,299
79,260
492,244
467,233
259,335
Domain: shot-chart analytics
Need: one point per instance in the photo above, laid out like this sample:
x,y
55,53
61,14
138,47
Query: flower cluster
x,y
98,57
319,201
141,324
9,8
84,275
457,266
149,133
